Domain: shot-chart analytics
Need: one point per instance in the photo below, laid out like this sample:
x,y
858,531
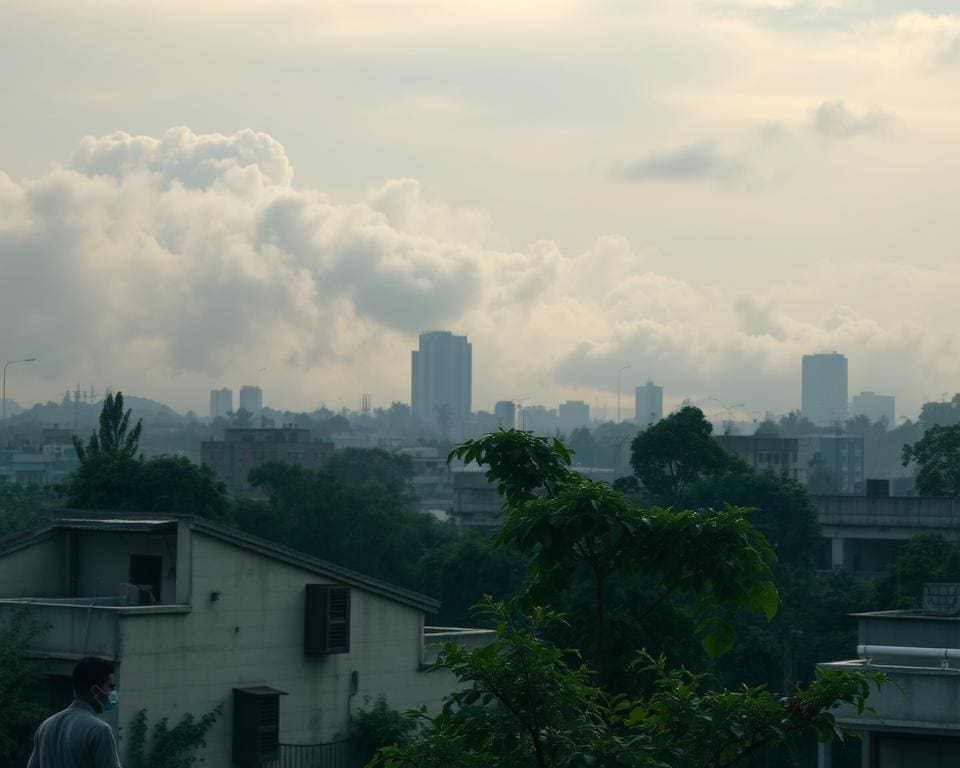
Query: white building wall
x,y
104,561
253,634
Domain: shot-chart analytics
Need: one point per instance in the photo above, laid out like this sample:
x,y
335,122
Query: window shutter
x,y
326,626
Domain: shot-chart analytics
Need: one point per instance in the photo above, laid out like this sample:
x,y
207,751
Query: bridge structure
x,y
864,533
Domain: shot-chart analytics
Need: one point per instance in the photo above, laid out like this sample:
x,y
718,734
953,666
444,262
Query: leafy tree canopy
x,y
114,439
676,452
937,456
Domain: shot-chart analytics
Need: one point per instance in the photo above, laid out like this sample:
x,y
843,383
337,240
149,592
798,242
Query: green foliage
x,y
674,453
821,479
937,455
24,506
714,556
379,727
162,484
520,463
927,557
782,510
169,747
350,519
526,702
114,438
19,717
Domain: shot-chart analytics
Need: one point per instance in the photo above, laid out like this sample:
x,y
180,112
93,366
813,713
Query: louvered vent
x,y
256,725
326,620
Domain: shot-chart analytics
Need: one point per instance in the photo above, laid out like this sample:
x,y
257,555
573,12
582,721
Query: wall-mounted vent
x,y
941,599
326,625
256,725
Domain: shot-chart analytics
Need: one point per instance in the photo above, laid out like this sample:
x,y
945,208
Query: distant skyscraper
x,y
251,398
505,413
824,388
572,415
221,402
875,407
441,381
649,404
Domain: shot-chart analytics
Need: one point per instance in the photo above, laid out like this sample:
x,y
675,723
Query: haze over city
x,y
702,190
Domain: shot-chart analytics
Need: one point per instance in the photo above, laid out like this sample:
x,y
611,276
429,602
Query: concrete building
x,y
251,399
221,403
232,458
649,404
779,455
875,407
823,397
911,721
442,381
572,415
842,454
539,419
865,533
505,413
476,502
432,480
196,615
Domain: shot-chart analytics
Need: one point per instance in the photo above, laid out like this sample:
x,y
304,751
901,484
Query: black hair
x,y
90,671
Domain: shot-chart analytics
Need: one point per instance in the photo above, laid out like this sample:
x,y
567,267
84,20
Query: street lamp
x,y
619,373
3,419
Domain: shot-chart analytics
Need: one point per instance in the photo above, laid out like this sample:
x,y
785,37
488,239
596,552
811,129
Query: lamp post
x,y
3,419
619,374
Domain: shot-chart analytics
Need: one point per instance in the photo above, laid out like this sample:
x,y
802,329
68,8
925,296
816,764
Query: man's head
x,y
93,682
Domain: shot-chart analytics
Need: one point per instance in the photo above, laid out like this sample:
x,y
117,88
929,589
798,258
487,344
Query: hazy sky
x,y
701,189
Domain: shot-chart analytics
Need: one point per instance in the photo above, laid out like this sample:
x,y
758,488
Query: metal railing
x,y
335,754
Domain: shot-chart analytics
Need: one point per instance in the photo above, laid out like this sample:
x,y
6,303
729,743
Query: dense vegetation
x,y
624,592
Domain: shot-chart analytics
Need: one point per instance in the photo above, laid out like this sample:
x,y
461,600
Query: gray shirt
x,y
74,738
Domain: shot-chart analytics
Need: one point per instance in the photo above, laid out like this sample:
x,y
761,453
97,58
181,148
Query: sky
x,y
702,190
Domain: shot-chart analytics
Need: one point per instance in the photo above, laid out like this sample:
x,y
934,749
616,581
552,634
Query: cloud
x,y
834,120
167,265
693,162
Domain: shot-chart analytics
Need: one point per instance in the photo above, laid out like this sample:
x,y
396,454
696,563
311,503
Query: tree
x,y
525,702
563,521
19,717
24,506
937,455
674,453
114,439
821,479
161,484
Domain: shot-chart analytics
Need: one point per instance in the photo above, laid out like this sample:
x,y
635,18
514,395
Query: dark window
x,y
145,572
256,725
326,626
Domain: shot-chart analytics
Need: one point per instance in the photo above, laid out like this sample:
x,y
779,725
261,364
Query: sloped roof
x,y
138,522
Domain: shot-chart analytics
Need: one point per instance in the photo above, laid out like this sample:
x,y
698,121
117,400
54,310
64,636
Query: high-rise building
x,y
221,403
823,397
572,415
441,381
505,413
875,407
251,399
649,404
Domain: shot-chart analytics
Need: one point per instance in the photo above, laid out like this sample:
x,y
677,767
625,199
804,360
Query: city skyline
x,y
711,221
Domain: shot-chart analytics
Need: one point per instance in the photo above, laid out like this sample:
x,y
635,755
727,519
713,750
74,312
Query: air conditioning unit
x,y
941,599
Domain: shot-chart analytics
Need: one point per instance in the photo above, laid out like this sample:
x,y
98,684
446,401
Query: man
x,y
76,737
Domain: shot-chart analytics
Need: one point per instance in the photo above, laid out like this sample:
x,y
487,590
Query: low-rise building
x,y
476,502
196,615
241,449
912,719
765,453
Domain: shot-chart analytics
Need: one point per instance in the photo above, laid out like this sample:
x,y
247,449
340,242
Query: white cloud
x,y
833,119
167,265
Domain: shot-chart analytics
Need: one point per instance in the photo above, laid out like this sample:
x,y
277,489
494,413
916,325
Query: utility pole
x,y
3,418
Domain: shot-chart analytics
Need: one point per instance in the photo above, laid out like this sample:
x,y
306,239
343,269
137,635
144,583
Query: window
x,y
326,626
145,573
256,725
